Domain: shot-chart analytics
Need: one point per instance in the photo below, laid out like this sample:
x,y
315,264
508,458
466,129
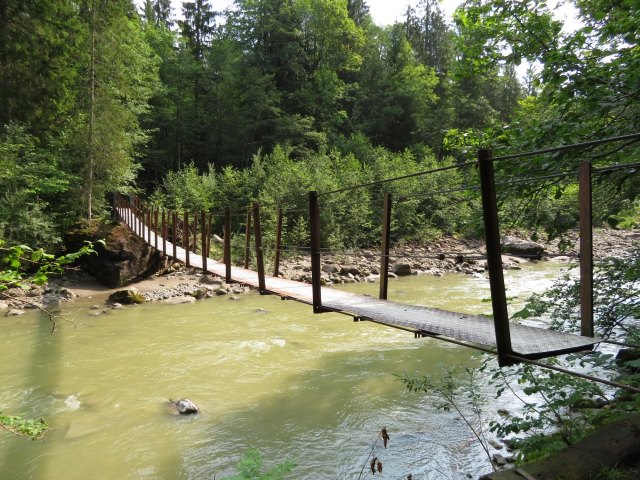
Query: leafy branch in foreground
x,y
557,409
24,427
22,267
457,391
250,468
616,300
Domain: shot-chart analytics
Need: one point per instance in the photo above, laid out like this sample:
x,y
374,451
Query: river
x,y
266,373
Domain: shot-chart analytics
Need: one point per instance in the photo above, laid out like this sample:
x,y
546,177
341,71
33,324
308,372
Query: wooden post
x,y
258,239
247,239
209,235
314,228
195,232
586,251
276,261
384,249
227,243
174,232
155,223
494,257
134,215
204,241
164,234
148,225
185,237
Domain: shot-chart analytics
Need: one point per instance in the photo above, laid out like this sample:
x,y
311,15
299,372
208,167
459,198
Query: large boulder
x,y
522,248
124,258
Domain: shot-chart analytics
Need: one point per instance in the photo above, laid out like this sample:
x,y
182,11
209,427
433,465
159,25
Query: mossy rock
x,y
129,296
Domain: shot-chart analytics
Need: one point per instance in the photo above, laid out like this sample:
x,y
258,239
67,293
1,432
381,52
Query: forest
x,y
202,109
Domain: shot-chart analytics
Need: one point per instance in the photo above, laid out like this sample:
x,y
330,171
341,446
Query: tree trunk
x,y
92,101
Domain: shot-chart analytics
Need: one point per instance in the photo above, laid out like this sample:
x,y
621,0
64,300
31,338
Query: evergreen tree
x,y
119,74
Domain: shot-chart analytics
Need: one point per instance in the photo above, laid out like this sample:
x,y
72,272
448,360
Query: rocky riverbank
x,y
175,284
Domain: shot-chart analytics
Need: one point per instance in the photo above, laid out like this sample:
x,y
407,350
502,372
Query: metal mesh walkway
x,y
528,342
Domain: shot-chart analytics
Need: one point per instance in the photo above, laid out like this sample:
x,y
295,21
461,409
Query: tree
x,y
120,72
359,12
38,41
396,92
31,181
198,26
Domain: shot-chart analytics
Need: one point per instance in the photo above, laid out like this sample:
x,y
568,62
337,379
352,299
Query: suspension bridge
x,y
180,235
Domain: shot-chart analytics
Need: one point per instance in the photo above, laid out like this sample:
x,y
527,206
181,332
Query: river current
x,y
266,373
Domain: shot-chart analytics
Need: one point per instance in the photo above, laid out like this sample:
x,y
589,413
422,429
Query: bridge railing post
x,y
314,230
148,209
164,233
384,249
203,240
209,234
494,257
174,234
227,244
136,216
259,255
185,236
247,240
155,227
276,260
586,250
195,232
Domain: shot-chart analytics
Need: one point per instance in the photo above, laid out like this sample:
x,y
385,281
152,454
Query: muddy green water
x,y
266,373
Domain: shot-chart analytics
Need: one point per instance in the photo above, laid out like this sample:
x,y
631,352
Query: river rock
x,y
499,460
330,268
14,312
127,297
185,406
179,300
210,280
4,305
402,269
522,248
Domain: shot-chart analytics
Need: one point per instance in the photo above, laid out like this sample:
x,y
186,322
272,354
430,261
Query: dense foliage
x,y
275,97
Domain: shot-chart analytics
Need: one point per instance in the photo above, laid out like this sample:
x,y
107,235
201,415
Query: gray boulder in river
x,y
522,248
185,406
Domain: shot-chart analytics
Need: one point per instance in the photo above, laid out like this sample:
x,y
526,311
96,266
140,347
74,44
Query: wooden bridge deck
x,y
528,342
